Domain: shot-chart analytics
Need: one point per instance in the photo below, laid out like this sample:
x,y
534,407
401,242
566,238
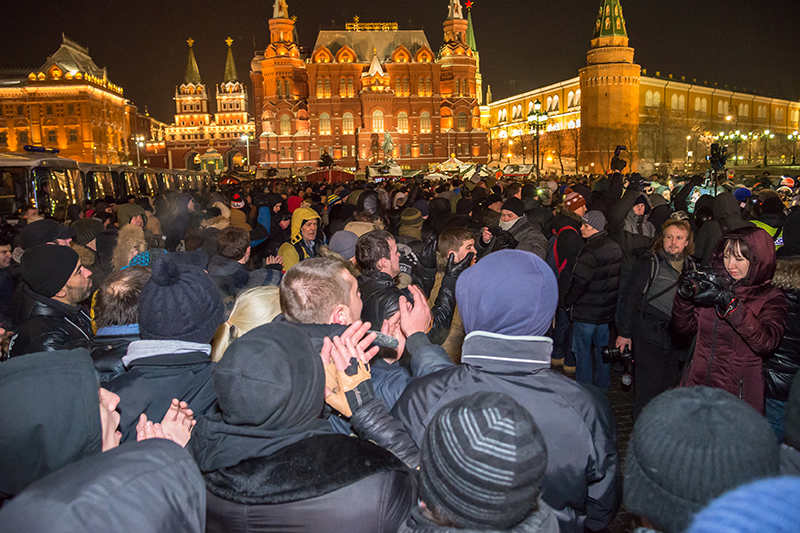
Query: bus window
x,y
12,190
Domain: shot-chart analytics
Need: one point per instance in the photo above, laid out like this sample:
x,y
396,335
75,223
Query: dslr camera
x,y
613,354
699,281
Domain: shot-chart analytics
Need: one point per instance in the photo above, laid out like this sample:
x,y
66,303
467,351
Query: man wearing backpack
x,y
562,251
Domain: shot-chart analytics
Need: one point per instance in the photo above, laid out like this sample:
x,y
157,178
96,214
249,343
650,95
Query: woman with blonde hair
x,y
254,307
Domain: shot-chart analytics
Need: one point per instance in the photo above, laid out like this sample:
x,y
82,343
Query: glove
x,y
726,303
408,262
427,258
350,389
454,269
618,164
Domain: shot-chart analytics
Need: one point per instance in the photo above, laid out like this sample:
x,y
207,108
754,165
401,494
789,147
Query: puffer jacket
x,y
781,366
592,293
568,245
47,325
729,351
582,482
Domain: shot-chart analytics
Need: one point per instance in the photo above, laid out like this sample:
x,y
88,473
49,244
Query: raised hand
x,y
417,317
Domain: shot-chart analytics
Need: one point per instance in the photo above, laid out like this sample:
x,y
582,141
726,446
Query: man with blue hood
x,y
506,351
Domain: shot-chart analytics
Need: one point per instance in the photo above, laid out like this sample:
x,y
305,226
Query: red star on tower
x,y
468,3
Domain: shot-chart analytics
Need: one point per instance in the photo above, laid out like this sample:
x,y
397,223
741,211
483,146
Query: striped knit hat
x,y
483,459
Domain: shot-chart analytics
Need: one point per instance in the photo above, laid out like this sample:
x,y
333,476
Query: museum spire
x,y
610,21
470,31
192,72
454,10
230,67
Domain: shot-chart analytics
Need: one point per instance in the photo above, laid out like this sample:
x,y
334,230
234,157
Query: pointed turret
x,y
230,67
375,67
610,22
470,31
454,10
192,72
280,10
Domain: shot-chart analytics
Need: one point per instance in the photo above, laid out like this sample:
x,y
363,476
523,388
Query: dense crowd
x,y
404,356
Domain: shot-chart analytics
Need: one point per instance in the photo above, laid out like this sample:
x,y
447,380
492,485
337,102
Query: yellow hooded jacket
x,y
291,251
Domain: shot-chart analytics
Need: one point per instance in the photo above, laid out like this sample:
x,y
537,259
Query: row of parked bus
x,y
51,183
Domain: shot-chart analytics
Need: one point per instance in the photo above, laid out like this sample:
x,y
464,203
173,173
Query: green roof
x,y
610,21
470,32
192,72
230,69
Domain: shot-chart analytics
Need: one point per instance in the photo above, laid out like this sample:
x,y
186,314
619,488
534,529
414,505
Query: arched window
x,y
405,85
287,89
704,106
327,88
549,103
342,87
720,108
726,107
681,103
425,122
458,87
674,102
377,121
578,97
286,125
319,88
648,99
556,104
462,121
530,107
347,123
421,87
402,122
324,124
350,92
570,99
697,105
656,99
428,86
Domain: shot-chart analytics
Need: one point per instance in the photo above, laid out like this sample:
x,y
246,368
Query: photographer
x,y
646,309
737,315
628,224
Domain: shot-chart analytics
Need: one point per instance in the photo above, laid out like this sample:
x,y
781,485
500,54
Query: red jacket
x,y
729,351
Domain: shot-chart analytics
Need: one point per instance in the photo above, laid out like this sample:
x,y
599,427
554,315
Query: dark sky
x,y
523,44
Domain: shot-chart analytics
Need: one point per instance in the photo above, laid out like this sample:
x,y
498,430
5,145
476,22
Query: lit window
x,y
347,123
425,122
73,135
402,122
377,121
324,124
286,125
462,122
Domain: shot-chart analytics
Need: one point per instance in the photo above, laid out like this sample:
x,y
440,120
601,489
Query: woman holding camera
x,y
737,315
646,309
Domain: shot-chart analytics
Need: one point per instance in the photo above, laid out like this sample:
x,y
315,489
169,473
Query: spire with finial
x,y
610,22
230,67
454,10
280,10
192,72
470,32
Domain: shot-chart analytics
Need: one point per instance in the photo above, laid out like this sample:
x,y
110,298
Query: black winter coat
x,y
592,292
327,483
47,324
569,244
781,366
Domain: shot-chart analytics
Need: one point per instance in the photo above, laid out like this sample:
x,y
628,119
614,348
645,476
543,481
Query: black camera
x,y
699,281
718,157
616,162
612,352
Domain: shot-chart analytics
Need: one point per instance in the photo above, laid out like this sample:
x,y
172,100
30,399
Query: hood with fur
x,y
129,243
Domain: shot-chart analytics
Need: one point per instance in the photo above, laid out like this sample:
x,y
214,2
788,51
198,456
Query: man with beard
x,y
55,284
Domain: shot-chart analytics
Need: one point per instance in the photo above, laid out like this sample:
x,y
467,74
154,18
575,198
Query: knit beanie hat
x,y
742,194
595,219
766,506
47,268
515,205
574,201
464,206
791,430
689,446
344,243
237,202
179,302
411,217
146,258
482,462
86,230
492,199
44,231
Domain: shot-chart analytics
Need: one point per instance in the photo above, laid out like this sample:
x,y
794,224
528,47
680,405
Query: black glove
x,y
454,269
408,262
427,257
618,164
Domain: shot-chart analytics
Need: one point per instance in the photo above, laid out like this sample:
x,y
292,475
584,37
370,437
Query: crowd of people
x,y
403,356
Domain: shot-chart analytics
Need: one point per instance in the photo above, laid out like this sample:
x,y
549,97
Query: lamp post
x,y
688,138
508,157
537,118
767,136
793,137
736,137
246,139
139,140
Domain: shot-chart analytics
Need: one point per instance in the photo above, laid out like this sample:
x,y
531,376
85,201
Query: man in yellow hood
x,y
305,228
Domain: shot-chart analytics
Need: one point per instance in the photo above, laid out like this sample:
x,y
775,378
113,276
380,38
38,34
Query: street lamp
x,y
246,138
767,136
688,138
508,158
793,137
537,118
736,137
139,140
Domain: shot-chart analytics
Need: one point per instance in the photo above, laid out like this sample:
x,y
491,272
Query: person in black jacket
x,y
628,225
180,309
592,299
506,351
564,247
55,284
646,312
271,462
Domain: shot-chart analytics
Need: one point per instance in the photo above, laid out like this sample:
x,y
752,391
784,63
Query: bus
x,y
40,178
99,182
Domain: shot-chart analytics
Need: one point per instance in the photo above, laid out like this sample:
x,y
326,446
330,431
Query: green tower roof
x,y
610,21
192,72
470,32
230,66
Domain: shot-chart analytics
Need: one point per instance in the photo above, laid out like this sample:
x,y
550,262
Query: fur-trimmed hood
x,y
221,222
787,274
129,243
87,255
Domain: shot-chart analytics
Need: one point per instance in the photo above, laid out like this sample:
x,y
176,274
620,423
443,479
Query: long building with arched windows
x,y
666,123
364,84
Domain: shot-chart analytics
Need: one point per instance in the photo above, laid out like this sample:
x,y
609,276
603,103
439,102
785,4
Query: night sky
x,y
523,44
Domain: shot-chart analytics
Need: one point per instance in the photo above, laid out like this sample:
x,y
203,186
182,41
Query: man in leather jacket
x,y
55,283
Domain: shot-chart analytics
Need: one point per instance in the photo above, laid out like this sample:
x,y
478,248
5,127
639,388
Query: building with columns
x,y
666,123
363,84
202,139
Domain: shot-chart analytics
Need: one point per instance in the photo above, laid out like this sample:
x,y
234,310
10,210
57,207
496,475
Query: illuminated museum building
x,y
199,139
362,82
663,121
70,104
